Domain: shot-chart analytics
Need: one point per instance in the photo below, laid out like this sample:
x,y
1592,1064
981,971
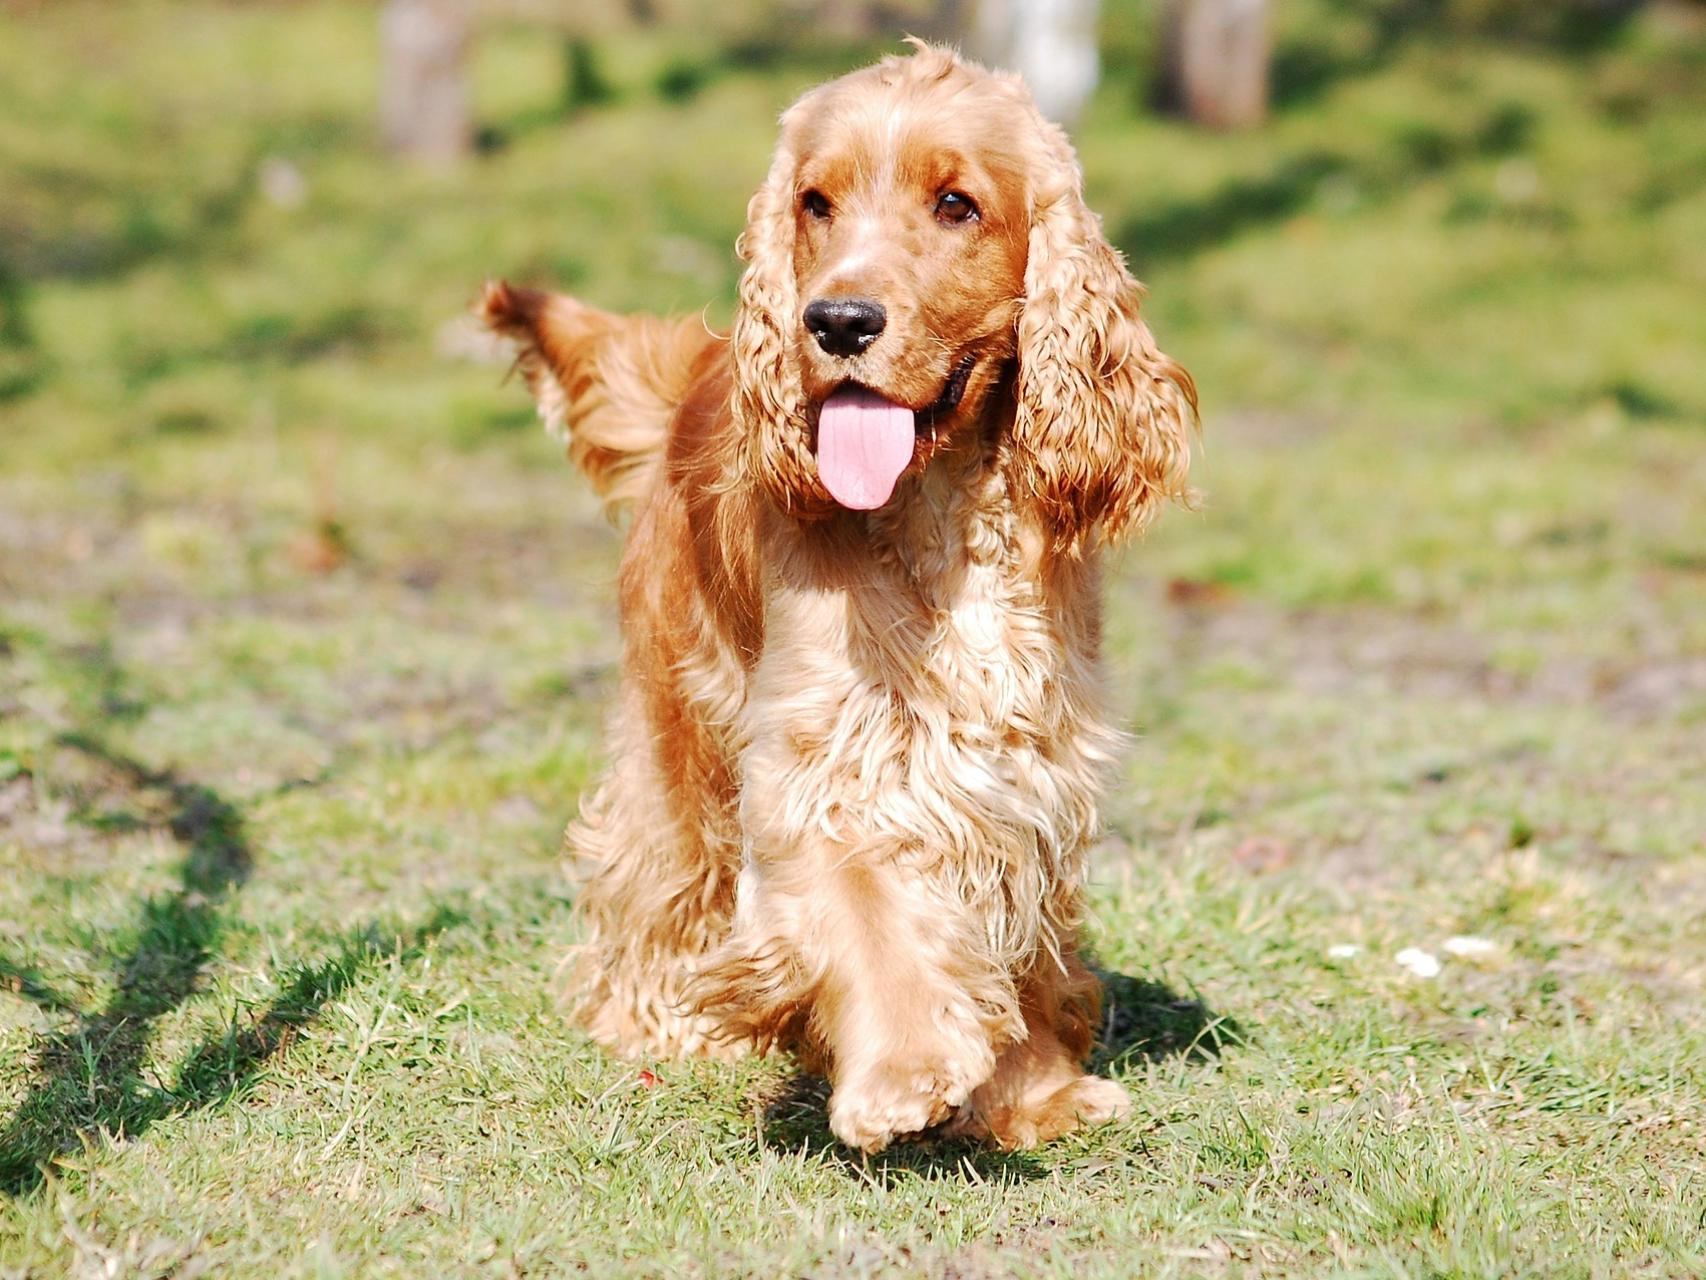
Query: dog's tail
x,y
606,385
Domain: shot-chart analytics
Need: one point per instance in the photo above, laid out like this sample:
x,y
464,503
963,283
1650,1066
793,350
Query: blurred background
x,y
223,224
1437,265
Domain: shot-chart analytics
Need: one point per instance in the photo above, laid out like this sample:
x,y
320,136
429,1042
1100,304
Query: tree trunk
x,y
1051,43
1218,53
845,19
424,79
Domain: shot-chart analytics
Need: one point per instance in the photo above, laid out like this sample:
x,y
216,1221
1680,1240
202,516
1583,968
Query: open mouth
x,y
952,392
865,442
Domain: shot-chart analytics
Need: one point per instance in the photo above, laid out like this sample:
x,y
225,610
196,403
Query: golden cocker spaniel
x,y
860,736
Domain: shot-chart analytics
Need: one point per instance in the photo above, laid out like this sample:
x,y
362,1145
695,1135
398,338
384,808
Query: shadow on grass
x,y
1181,228
89,1078
1142,1022
24,980
1306,67
22,365
795,1119
1145,1021
795,42
89,1084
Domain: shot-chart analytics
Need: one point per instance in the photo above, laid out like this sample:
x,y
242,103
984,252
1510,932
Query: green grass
x,y
306,633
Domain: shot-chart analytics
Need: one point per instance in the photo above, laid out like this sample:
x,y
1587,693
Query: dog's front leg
x,y
866,966
904,1008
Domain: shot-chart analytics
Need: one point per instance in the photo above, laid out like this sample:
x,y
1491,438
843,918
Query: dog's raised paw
x,y
891,1102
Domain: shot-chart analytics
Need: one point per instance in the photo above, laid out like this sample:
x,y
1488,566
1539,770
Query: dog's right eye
x,y
815,203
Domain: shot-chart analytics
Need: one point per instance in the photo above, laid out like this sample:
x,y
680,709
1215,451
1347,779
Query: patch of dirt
x,y
1368,651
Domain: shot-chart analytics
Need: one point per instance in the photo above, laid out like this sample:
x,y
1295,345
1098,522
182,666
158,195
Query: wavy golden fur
x,y
857,753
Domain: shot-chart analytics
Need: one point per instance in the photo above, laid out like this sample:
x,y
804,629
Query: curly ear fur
x,y
1102,431
768,401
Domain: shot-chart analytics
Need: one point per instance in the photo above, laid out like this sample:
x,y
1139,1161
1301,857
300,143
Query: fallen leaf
x,y
1262,854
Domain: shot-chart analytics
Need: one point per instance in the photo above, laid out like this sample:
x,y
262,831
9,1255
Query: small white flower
x,y
282,183
1342,950
1424,964
1469,947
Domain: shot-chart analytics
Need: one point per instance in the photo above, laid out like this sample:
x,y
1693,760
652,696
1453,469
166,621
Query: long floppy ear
x,y
768,400
1102,432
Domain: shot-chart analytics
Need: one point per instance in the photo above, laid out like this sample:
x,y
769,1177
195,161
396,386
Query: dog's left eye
x,y
955,206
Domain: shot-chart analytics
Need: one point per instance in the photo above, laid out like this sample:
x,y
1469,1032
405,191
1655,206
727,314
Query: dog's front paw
x,y
895,1100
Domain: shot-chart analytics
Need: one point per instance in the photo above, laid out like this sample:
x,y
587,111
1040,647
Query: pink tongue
x,y
863,444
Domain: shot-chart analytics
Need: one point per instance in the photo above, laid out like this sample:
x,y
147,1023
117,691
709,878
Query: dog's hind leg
x,y
1039,1090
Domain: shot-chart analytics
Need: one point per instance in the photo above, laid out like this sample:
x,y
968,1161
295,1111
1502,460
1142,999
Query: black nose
x,y
845,326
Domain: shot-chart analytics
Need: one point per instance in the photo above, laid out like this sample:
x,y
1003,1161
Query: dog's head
x,y
921,261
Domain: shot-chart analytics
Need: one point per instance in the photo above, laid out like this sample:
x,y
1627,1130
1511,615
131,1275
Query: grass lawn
x,y
306,633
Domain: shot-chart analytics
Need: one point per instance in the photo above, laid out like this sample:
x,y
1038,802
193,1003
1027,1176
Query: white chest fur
x,y
924,699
